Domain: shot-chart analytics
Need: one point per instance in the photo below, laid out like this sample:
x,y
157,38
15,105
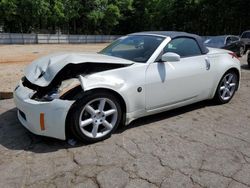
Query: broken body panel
x,y
109,73
44,70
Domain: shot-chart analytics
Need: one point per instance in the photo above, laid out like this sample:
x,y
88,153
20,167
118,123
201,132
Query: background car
x,y
229,42
245,38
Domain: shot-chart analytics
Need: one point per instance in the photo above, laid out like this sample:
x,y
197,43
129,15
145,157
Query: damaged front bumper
x,y
41,118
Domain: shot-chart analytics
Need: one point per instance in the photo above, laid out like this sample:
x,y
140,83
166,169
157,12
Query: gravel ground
x,y
202,145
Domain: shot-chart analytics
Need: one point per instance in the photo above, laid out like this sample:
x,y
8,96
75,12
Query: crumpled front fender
x,y
108,82
130,88
134,100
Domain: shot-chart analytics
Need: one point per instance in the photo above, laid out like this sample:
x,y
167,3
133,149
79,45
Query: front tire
x,y
227,87
95,116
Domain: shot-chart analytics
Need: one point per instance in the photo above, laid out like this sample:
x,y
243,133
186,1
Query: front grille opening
x,y
40,91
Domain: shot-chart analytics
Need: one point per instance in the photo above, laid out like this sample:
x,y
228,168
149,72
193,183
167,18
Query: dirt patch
x,y
14,58
6,95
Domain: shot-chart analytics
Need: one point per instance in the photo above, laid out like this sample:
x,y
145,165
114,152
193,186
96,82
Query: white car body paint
x,y
163,86
178,82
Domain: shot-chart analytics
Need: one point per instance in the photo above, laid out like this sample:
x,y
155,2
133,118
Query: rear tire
x,y
95,116
227,87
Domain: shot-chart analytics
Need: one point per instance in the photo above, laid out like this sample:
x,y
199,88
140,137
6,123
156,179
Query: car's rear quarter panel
x,y
221,61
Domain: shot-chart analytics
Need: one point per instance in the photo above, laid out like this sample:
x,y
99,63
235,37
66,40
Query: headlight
x,y
54,94
57,92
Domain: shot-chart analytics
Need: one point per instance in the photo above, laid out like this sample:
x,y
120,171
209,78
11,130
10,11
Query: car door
x,y
231,44
170,83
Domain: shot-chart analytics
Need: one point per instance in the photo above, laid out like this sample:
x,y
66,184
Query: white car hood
x,y
42,71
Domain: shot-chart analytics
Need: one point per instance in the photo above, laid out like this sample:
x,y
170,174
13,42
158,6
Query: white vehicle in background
x,y
137,75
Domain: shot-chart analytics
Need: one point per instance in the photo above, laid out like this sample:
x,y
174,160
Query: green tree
x,y
205,17
8,15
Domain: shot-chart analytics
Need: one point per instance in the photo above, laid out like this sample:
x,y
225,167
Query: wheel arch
x,y
234,69
77,93
115,93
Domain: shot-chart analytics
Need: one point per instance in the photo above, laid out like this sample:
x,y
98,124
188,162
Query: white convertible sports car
x,y
90,94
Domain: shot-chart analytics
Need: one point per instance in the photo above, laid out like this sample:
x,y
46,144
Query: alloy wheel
x,y
228,86
98,117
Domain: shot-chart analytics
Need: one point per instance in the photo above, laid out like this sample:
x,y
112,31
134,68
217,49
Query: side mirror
x,y
170,57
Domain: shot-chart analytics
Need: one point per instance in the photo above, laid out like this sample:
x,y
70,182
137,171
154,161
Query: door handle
x,y
207,64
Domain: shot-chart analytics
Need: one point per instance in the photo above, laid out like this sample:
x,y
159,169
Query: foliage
x,y
204,17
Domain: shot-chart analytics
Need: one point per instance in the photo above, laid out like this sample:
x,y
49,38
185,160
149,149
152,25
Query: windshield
x,y
138,48
216,42
246,35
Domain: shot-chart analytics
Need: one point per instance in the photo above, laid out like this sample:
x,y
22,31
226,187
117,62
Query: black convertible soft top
x,y
177,34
